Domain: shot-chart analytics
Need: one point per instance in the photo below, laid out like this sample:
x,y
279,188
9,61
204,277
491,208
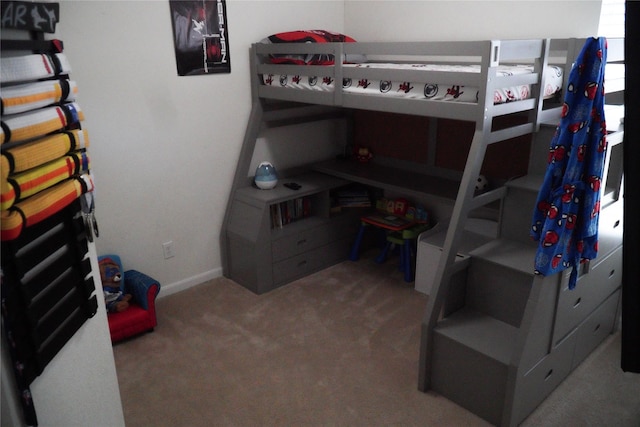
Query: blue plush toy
x,y
111,275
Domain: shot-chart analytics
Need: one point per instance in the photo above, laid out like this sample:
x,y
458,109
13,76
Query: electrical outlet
x,y
167,247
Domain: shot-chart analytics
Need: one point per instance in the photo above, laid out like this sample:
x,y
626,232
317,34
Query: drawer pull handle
x,y
302,242
596,328
302,263
617,223
548,374
612,273
577,303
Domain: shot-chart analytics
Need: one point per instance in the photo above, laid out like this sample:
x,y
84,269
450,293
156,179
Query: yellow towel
x,y
41,206
43,150
25,184
36,123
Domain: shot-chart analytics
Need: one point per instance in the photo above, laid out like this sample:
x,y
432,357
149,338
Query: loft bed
x,y
432,68
278,105
481,66
294,83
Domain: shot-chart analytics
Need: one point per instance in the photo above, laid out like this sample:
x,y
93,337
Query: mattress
x,y
422,90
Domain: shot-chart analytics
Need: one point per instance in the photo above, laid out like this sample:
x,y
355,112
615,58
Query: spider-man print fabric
x,y
565,219
390,86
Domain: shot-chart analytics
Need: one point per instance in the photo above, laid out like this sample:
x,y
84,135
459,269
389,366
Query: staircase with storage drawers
x,y
498,339
508,337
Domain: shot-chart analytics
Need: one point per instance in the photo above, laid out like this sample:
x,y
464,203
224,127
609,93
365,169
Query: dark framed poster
x,y
200,36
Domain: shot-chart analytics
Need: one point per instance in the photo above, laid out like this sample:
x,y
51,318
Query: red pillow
x,y
308,36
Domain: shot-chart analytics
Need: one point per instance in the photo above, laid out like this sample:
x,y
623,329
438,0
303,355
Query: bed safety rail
x,y
274,81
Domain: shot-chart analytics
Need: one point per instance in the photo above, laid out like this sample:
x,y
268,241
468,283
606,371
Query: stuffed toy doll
x,y
363,155
115,300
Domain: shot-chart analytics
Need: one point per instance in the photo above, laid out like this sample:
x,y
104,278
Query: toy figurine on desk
x,y
362,154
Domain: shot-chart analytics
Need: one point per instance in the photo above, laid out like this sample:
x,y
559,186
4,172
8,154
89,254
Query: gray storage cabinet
x,y
264,255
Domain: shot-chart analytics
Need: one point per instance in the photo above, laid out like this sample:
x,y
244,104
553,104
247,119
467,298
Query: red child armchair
x,y
136,312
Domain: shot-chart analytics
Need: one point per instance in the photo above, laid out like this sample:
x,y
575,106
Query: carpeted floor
x,y
337,348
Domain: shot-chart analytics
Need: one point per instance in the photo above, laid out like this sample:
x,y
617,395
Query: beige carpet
x,y
337,348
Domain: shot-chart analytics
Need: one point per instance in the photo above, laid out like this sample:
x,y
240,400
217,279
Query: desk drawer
x,y
312,238
590,291
310,261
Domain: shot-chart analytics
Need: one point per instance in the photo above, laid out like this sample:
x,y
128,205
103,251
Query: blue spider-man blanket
x,y
565,220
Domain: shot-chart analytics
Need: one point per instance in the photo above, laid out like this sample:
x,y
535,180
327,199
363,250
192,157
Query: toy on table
x,y
402,224
115,299
418,213
404,209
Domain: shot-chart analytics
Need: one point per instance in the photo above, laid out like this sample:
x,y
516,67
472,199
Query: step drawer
x,y
610,225
470,362
591,290
541,380
308,239
310,261
595,328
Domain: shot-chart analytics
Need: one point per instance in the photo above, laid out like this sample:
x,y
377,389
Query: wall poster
x,y
200,36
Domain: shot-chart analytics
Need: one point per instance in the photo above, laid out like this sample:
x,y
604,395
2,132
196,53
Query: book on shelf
x,y
353,197
289,211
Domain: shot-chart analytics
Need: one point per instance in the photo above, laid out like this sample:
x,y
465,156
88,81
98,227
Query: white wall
x,y
451,20
301,144
164,147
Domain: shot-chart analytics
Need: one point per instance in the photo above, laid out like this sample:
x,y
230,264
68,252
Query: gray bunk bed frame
x,y
276,106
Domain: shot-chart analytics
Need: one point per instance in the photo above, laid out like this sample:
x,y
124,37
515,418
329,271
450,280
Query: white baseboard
x,y
189,282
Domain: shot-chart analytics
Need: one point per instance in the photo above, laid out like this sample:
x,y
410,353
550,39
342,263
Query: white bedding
x,y
422,90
